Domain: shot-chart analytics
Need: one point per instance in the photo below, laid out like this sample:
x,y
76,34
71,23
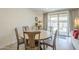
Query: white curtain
x,y
73,13
45,20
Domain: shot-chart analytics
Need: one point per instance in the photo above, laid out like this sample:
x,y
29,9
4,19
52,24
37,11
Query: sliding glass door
x,y
63,24
59,22
53,23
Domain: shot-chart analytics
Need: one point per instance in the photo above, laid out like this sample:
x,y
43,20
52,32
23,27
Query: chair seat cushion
x,y
21,41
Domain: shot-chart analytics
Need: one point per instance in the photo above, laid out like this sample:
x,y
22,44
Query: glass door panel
x,y
63,24
54,23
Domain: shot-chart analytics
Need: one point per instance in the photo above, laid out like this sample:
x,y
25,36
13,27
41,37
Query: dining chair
x,y
25,28
20,40
34,28
53,44
31,36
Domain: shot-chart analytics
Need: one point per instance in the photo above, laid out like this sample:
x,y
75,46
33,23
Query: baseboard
x,y
7,44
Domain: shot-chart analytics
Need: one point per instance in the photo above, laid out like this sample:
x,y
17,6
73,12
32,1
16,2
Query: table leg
x,y
43,46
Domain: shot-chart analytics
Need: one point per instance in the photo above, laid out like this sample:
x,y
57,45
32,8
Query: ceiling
x,y
44,10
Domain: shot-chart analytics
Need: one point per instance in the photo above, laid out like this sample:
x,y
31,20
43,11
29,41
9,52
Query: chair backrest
x,y
31,38
34,28
54,40
17,35
25,28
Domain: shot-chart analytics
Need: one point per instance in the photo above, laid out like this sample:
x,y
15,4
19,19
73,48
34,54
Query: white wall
x,y
11,18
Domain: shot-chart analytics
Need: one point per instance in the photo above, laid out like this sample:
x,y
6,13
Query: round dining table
x,y
44,35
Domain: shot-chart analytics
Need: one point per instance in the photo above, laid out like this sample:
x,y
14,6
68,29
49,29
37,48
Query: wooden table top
x,y
43,34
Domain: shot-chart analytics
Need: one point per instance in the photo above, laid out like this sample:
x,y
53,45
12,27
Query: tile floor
x,y
64,44
61,44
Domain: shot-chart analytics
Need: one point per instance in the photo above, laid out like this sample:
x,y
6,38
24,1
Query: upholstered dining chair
x,y
20,40
53,44
34,28
25,28
31,40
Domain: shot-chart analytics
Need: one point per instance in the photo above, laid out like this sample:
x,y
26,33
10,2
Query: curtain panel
x,y
73,13
45,21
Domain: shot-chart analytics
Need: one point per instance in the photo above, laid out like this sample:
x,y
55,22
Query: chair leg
x,y
43,46
51,38
25,45
54,48
17,46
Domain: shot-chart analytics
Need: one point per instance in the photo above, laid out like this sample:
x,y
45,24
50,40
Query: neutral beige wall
x,y
11,18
